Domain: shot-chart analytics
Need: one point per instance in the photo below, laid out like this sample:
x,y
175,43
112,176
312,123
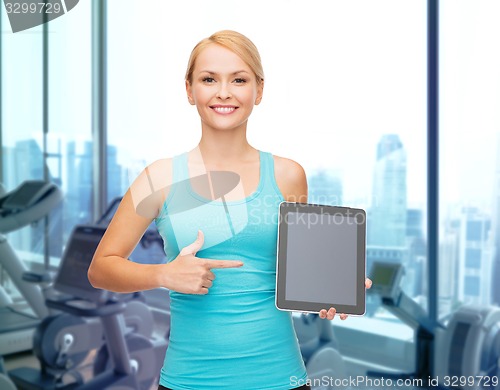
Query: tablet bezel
x,y
314,307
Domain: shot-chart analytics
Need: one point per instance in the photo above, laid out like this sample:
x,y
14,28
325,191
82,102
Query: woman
x,y
220,232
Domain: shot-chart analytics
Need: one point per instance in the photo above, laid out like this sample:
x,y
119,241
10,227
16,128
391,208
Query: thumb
x,y
195,246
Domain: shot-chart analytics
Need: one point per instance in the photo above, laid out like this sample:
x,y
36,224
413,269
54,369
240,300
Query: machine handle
x,y
82,308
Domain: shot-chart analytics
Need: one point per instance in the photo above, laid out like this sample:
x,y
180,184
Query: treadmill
x,y
28,203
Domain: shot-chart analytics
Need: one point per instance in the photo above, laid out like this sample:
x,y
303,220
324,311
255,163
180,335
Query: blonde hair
x,y
237,43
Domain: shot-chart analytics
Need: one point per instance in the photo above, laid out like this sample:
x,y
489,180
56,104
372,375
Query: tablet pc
x,y
321,258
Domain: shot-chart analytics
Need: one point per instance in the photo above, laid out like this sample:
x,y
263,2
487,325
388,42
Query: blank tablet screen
x,y
321,258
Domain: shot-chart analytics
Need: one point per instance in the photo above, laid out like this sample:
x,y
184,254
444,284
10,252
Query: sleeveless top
x,y
234,337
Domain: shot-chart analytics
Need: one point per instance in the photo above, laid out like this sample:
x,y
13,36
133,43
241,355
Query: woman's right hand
x,y
189,274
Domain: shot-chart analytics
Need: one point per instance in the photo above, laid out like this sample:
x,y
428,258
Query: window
x,y
473,258
69,144
22,121
469,150
472,287
66,150
349,106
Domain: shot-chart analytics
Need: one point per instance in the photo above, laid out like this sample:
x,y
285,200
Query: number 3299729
x,y
33,8
471,380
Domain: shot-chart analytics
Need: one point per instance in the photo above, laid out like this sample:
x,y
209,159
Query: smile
x,y
223,109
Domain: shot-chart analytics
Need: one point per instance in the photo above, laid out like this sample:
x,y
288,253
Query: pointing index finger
x,y
223,263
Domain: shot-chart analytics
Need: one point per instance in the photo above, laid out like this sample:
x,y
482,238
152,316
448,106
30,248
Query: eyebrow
x,y
212,72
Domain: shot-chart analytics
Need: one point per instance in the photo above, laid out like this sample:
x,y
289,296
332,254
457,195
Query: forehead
x,y
219,59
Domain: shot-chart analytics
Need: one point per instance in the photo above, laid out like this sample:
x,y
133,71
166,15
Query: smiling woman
x,y
222,85
221,257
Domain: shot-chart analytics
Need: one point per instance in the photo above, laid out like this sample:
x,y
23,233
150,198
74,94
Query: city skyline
x,y
387,213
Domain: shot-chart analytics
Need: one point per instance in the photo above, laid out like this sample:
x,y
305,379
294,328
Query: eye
x,y
208,79
240,81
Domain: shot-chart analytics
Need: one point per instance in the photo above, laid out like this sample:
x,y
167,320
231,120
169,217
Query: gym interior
x,y
398,116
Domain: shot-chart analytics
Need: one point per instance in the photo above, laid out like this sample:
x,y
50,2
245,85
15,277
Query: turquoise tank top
x,y
233,337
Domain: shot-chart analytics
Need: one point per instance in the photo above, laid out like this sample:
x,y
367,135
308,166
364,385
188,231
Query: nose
x,y
223,92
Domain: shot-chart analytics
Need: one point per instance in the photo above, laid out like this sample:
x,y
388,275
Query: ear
x,y
260,91
189,92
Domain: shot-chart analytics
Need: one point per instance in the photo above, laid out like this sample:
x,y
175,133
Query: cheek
x,y
249,97
200,95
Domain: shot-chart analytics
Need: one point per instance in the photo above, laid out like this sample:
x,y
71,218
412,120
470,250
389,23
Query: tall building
x,y
387,217
114,174
325,188
449,266
495,275
475,258
8,166
417,250
414,223
27,162
79,182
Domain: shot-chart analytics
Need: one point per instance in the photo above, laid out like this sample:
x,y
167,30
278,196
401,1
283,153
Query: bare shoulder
x,y
291,179
159,174
151,187
139,206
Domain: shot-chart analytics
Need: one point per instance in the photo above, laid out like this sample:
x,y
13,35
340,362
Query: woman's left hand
x,y
330,314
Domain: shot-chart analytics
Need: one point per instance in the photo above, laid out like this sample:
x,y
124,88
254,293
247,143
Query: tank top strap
x,y
177,178
181,173
269,175
180,168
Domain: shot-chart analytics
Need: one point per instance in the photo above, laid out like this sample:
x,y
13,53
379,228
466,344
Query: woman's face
x,y
224,89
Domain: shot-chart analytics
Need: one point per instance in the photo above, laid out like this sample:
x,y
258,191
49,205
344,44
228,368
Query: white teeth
x,y
224,110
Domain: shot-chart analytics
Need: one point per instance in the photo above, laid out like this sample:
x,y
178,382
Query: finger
x,y
343,316
203,291
368,283
331,313
223,263
322,313
210,275
207,283
195,246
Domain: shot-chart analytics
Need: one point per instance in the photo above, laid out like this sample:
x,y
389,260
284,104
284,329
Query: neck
x,y
224,146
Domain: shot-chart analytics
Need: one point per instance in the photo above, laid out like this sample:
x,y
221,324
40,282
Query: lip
x,y
222,109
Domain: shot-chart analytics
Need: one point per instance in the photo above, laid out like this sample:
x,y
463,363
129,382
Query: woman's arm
x,y
110,268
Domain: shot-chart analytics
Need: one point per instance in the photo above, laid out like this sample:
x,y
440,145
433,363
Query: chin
x,y
227,126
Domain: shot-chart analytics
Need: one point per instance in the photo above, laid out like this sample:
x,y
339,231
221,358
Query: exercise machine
x,y
319,350
126,357
63,341
5,382
386,278
467,348
150,247
28,203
